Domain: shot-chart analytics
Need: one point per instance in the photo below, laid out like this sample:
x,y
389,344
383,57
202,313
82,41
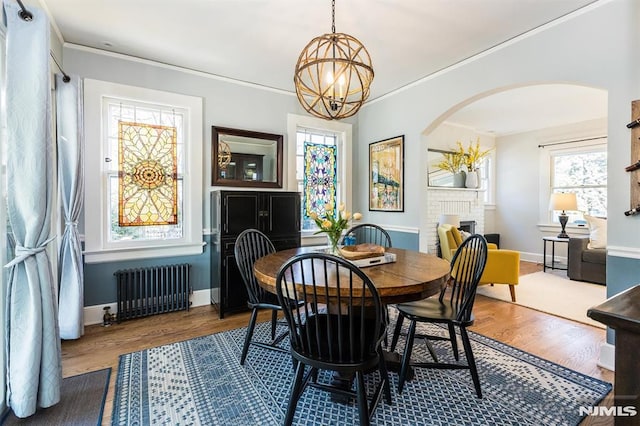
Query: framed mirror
x,y
437,176
245,158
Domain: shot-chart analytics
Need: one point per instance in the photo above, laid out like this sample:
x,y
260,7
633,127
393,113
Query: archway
x,y
545,110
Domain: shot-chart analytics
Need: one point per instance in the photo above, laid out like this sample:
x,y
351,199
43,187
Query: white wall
x,y
597,48
226,103
522,196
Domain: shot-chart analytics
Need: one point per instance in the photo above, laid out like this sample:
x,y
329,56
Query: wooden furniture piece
x,y
243,167
345,339
413,276
246,158
455,310
622,313
276,214
554,263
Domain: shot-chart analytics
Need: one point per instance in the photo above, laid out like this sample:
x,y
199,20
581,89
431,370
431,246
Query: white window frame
x,y
589,144
98,248
345,143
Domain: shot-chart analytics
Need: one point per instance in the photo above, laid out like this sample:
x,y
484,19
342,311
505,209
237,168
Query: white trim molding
x,y
607,356
93,314
619,251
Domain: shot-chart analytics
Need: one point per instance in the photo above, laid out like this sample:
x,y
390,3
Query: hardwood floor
x,y
562,341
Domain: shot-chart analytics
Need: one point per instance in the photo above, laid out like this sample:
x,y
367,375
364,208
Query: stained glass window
x,y
320,178
147,175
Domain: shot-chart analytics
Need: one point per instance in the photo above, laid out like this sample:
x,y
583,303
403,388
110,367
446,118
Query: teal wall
x,y
622,274
100,283
405,240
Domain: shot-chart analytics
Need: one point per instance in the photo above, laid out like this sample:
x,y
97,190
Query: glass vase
x,y
332,242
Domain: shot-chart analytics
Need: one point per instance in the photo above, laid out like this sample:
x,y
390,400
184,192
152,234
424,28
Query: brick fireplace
x,y
468,204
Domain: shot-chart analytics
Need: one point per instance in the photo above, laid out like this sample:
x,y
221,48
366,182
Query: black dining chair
x,y
453,307
369,233
339,329
251,245
374,234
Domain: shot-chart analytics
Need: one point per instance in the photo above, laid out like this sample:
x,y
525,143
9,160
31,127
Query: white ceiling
x,y
258,41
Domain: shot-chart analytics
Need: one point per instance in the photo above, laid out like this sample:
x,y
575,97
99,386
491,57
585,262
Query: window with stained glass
x,y
317,173
320,178
144,170
148,175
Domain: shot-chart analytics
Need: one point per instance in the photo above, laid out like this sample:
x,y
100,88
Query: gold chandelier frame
x,y
333,75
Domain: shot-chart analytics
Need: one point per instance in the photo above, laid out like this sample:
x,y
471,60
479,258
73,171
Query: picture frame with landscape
x,y
386,175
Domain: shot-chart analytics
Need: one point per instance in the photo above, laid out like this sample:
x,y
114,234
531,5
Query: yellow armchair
x,y
503,266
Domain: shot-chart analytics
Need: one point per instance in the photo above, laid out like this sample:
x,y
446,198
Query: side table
x,y
554,264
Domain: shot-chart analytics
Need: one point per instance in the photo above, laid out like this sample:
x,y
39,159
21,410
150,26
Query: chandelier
x,y
224,155
333,74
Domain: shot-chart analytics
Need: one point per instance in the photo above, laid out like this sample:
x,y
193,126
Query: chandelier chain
x,y
333,16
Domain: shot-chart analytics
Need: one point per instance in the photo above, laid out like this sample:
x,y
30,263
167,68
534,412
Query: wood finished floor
x,y
562,341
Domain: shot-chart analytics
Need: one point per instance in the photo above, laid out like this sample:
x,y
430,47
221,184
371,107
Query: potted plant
x,y
471,158
334,224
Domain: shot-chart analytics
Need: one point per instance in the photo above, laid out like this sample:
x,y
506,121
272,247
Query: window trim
x,y
294,122
586,144
96,218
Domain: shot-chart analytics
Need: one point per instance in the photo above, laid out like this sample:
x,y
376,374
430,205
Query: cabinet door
x,y
282,215
234,293
239,212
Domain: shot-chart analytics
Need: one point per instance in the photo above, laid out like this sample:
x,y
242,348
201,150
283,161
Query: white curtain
x,y
71,181
34,366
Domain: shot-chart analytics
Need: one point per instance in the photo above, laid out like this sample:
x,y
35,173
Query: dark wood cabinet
x,y
243,167
277,214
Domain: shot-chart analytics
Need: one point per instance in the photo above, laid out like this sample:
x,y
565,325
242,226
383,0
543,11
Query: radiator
x,y
154,290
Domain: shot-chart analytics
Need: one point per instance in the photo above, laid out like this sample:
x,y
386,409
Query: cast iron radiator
x,y
154,290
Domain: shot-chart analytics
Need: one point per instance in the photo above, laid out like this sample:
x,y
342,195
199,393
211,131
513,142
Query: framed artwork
x,y
386,175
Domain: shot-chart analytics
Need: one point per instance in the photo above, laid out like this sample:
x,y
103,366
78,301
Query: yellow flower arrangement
x,y
451,162
472,156
333,225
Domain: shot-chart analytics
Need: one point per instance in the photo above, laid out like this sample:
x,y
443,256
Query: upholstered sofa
x,y
503,266
586,264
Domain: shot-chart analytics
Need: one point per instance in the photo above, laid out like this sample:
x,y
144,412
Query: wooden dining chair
x,y
453,307
251,245
339,329
369,233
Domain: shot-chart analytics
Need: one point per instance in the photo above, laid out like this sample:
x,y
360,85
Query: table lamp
x,y
563,201
451,219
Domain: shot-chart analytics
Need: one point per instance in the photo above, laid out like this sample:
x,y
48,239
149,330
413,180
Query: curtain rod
x,y
27,16
24,13
573,141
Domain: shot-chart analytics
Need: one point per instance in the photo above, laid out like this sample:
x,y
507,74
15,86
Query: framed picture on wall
x,y
386,175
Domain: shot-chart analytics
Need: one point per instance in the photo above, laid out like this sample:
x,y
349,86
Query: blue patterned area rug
x,y
200,382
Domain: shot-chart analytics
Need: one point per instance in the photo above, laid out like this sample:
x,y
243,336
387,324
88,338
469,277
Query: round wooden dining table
x,y
413,276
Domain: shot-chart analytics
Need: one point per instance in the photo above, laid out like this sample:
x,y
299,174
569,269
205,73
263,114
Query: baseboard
x,y
94,314
607,356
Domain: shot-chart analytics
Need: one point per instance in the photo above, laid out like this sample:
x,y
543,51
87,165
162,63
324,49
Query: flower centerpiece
x,y
334,224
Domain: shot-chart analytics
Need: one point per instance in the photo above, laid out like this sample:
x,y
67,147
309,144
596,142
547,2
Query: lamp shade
x,y
563,201
451,219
